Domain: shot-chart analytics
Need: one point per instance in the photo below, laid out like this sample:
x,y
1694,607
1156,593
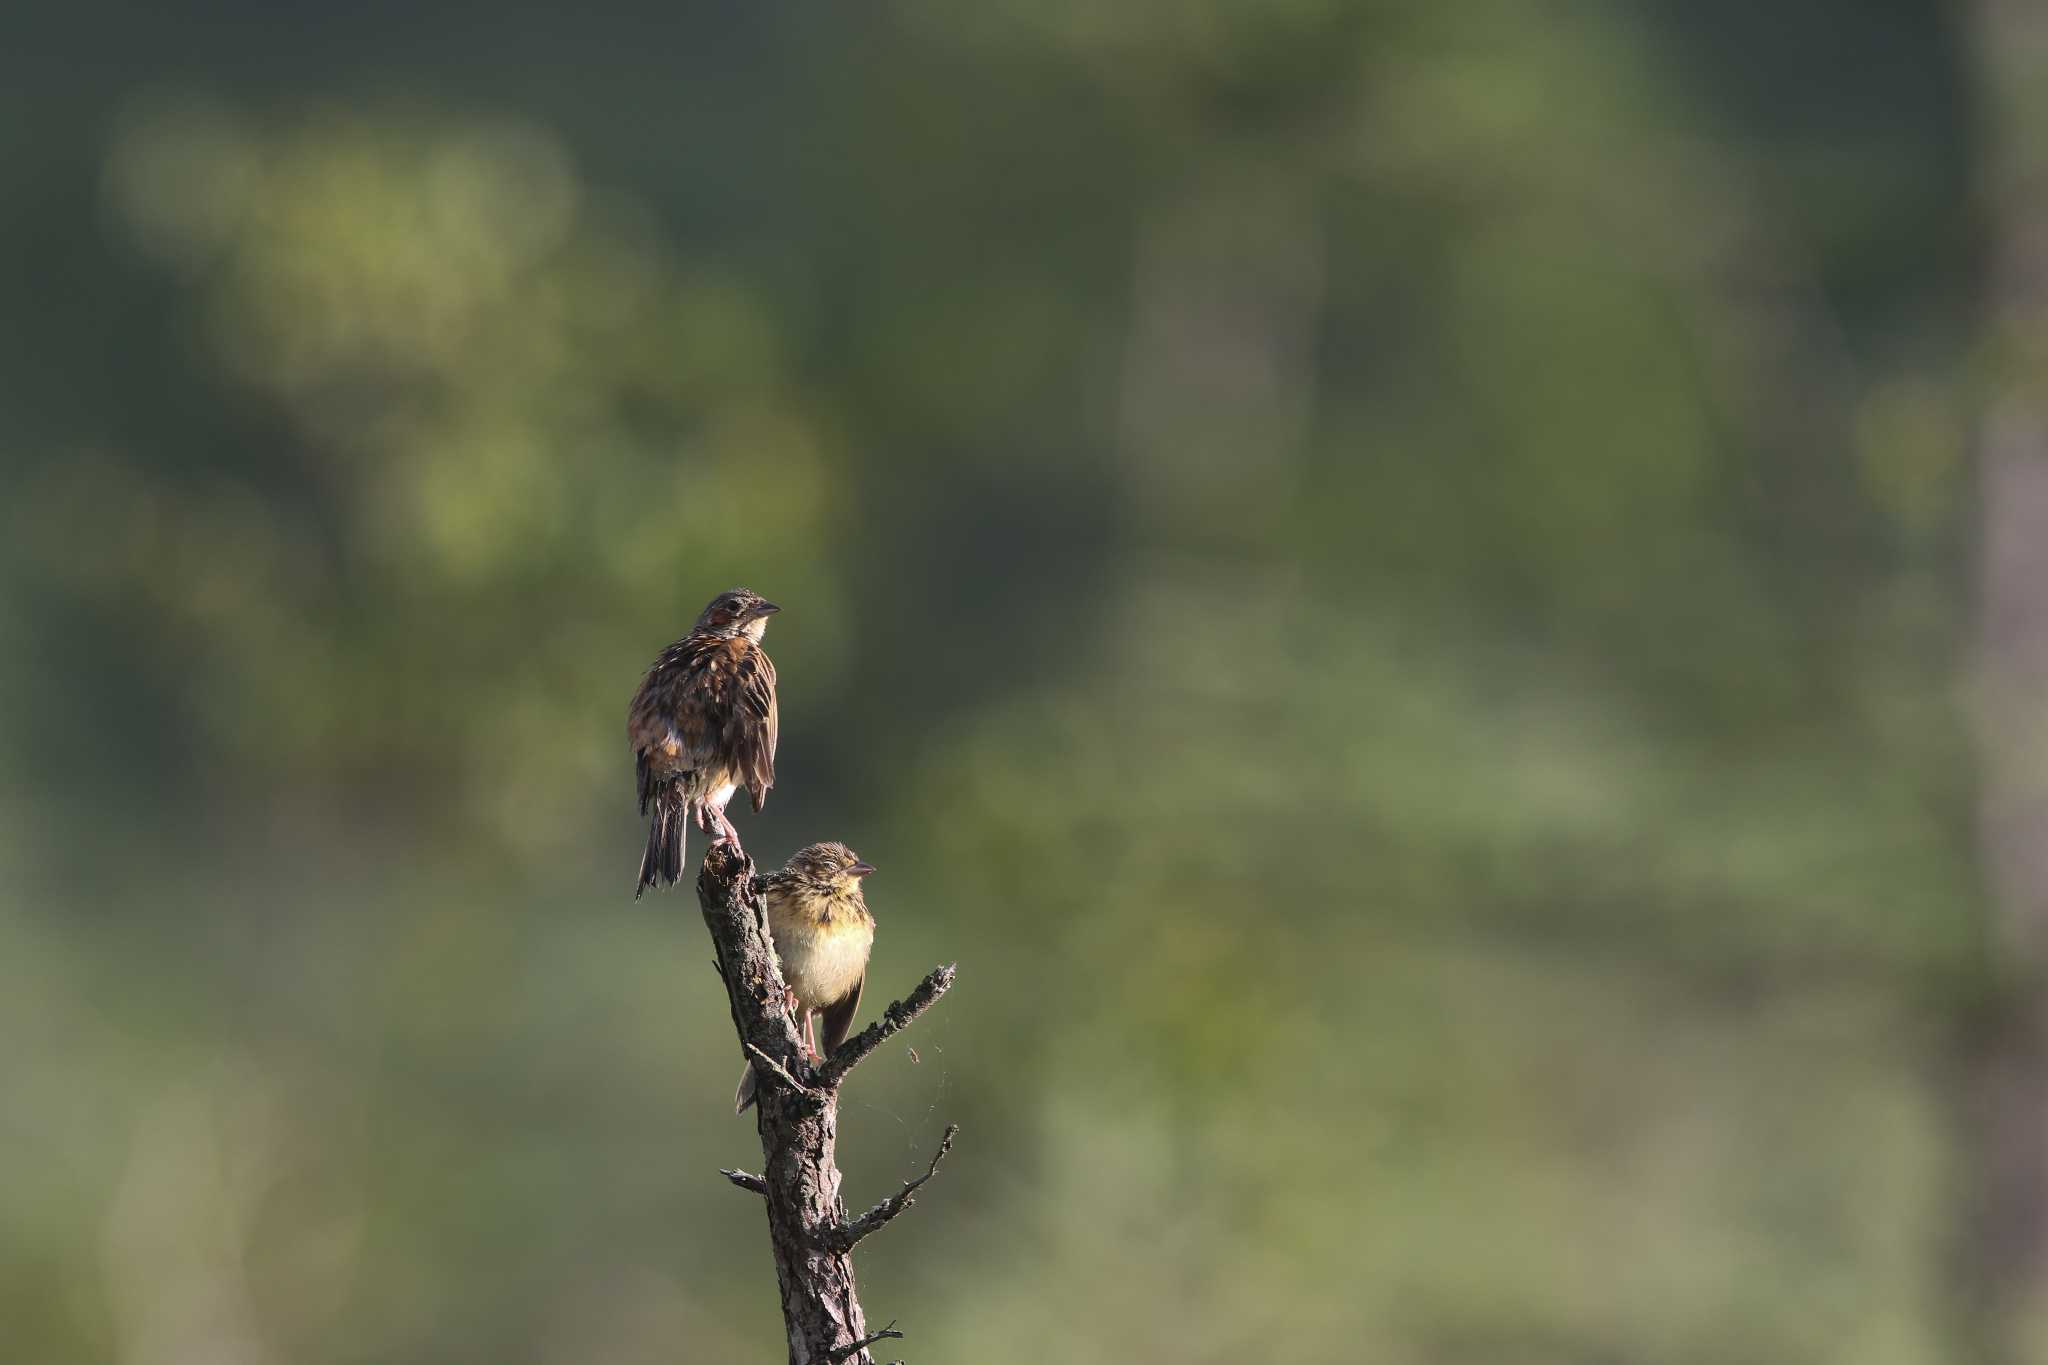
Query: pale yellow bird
x,y
823,934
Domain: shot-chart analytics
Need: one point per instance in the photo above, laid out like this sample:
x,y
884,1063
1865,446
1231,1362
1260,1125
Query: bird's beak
x,y
861,869
765,609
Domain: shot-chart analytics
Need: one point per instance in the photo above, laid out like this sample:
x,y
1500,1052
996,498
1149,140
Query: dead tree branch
x,y
797,1117
893,1021
745,1180
886,1334
846,1236
783,1072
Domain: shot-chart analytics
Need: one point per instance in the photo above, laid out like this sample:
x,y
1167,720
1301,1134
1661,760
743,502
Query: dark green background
x,y
1389,579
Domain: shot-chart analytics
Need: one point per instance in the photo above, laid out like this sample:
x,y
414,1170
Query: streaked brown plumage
x,y
703,725
823,934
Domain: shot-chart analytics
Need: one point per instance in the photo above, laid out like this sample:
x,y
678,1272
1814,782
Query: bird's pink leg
x,y
796,1010
726,834
811,1035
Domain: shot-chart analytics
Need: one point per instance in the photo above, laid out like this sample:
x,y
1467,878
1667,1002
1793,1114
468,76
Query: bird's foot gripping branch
x,y
798,1101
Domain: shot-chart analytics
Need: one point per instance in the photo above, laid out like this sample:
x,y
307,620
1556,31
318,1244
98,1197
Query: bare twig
x,y
893,1021
844,1237
744,1180
780,1070
855,1347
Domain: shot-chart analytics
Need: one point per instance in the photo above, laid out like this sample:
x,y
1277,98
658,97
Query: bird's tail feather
x,y
663,860
745,1095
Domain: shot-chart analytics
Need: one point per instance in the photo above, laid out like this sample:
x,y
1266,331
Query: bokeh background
x,y
1396,582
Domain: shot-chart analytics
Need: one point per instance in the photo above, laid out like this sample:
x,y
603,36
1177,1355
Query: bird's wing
x,y
838,1017
712,707
654,720
752,722
699,700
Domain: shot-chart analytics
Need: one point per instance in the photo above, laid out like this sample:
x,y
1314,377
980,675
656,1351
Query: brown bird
x,y
703,725
823,934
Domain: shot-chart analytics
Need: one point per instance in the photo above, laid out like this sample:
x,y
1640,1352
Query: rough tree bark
x,y
797,1116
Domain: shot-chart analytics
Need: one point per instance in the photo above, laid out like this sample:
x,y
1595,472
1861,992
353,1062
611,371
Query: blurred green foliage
x,y
1385,577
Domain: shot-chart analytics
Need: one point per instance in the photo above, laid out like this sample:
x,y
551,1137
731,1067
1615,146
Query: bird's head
x,y
829,868
738,612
